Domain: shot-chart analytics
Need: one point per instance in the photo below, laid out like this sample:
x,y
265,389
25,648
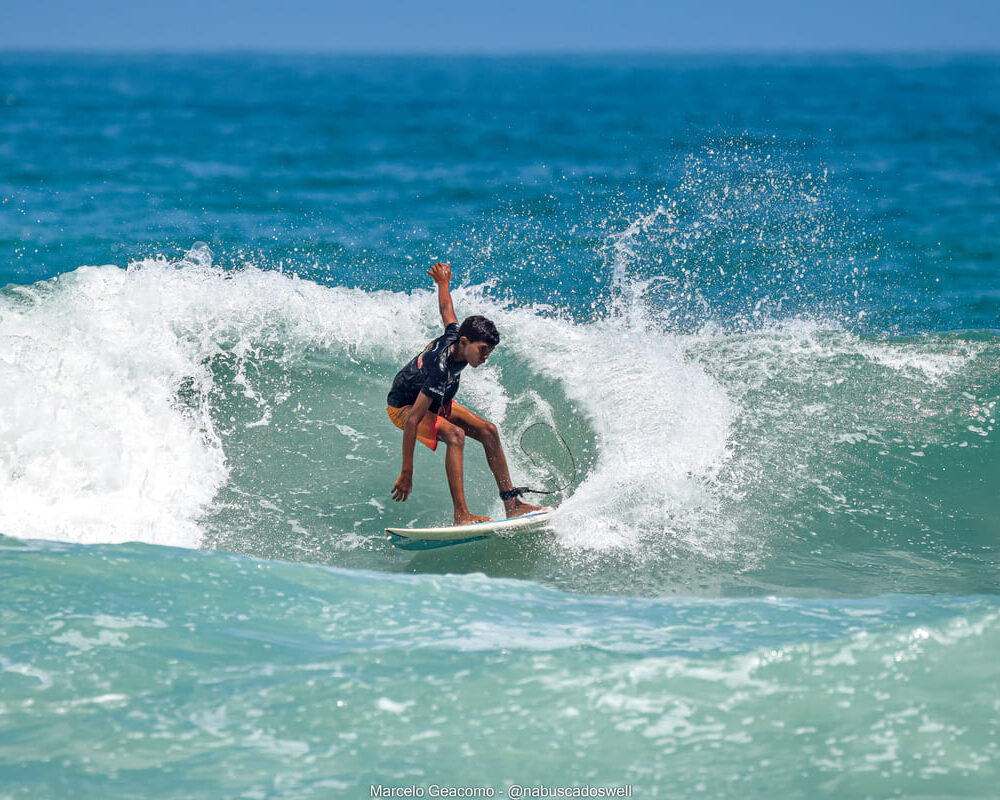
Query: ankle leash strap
x,y
517,491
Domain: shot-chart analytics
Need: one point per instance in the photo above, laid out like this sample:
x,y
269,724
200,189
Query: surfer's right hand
x,y
402,487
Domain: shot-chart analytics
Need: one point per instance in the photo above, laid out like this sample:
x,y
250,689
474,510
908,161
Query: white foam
x,y
914,357
92,444
662,424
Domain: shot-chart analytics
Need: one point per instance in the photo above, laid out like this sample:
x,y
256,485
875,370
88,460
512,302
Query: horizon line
x,y
503,53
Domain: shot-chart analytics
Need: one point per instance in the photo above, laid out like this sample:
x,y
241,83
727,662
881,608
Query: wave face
x,y
178,403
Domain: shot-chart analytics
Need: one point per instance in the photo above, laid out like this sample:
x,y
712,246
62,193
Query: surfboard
x,y
430,538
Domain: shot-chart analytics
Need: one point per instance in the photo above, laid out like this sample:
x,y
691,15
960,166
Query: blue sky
x,y
500,26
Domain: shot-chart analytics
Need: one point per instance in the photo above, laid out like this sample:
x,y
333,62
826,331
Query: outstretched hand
x,y
441,272
402,487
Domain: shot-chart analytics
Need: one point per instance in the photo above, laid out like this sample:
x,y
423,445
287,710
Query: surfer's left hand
x,y
441,272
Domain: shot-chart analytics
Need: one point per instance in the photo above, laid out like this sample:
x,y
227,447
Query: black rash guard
x,y
434,372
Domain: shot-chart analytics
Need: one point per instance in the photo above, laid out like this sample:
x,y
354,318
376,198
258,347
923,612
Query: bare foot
x,y
468,519
516,508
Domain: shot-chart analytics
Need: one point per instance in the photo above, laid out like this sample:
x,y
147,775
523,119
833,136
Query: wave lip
x,y
662,424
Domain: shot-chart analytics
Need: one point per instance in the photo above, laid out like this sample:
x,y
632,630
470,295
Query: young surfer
x,y
421,404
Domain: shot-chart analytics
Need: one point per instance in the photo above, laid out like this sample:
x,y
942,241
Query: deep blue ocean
x,y
754,301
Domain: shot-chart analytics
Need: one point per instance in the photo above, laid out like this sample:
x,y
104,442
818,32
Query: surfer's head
x,y
476,339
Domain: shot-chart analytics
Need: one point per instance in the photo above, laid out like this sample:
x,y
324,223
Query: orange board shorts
x,y
427,430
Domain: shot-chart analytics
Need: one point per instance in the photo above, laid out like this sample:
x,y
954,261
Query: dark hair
x,y
479,329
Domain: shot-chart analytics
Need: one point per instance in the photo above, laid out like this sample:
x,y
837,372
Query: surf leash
x,y
519,490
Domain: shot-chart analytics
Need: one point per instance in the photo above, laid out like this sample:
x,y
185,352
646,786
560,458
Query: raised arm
x,y
441,273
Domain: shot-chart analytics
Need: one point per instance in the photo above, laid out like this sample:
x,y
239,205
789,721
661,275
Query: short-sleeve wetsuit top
x,y
434,372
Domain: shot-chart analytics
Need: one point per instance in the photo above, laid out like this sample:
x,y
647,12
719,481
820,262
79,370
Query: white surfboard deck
x,y
429,538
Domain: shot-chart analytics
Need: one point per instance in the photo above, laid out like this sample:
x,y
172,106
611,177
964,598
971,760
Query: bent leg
x,y
454,438
486,432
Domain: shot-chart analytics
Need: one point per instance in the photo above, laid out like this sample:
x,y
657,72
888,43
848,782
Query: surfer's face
x,y
474,353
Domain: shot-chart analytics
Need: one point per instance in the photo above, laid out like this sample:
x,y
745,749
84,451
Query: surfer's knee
x,y
454,435
488,434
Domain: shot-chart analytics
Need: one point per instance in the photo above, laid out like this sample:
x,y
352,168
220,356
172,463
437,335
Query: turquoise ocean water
x,y
757,297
